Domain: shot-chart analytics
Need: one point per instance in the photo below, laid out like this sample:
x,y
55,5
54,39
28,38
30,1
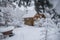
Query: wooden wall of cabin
x,y
7,32
29,21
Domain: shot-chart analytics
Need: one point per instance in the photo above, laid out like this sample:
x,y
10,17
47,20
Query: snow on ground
x,y
58,30
28,33
33,33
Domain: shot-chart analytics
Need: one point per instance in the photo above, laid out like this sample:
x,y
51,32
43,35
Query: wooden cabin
x,y
7,32
30,18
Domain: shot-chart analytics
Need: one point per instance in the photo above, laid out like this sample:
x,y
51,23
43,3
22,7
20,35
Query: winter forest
x,y
29,19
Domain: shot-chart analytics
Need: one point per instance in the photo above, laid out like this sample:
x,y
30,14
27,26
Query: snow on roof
x,y
4,29
30,13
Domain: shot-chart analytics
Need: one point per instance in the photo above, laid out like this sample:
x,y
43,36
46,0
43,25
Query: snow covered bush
x,y
51,29
49,22
39,22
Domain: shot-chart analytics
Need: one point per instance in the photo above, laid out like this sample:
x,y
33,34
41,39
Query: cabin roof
x,y
30,14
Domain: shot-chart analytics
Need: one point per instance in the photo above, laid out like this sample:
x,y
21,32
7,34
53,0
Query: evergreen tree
x,y
25,2
41,5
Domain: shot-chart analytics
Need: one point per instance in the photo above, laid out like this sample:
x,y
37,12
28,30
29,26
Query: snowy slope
x,y
33,33
28,33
